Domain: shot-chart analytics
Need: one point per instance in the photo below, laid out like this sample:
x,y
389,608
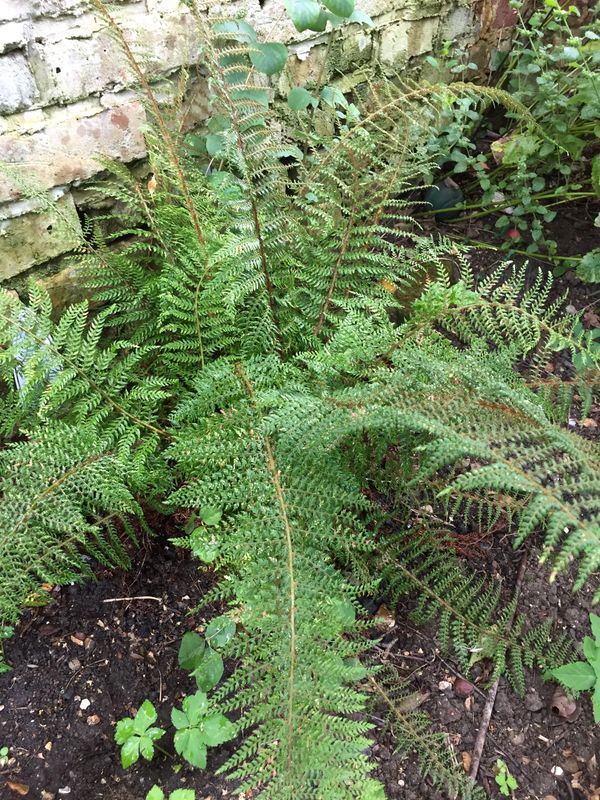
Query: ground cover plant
x,y
513,178
243,372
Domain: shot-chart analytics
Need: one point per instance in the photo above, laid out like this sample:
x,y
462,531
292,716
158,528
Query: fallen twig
x,y
124,599
491,698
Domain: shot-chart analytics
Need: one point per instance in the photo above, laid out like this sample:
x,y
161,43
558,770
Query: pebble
x,y
533,702
444,686
65,790
74,664
557,771
85,703
463,688
94,719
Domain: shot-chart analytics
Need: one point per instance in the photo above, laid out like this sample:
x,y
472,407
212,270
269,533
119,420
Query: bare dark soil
x,y
85,661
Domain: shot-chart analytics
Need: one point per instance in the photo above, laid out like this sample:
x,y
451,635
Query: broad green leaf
x,y
579,676
209,671
155,733
590,650
130,752
595,626
596,704
145,716
361,17
218,123
268,58
195,706
220,631
214,143
333,97
304,13
204,545
179,719
124,730
588,269
210,515
146,747
189,744
191,650
217,729
341,8
155,793
183,794
299,99
290,152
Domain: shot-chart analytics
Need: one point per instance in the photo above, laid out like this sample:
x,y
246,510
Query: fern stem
x,y
282,505
157,115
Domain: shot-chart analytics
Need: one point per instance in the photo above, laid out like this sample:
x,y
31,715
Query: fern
x,y
245,359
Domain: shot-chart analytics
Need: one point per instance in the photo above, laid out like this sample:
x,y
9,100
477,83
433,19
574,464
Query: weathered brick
x,y
70,67
405,39
459,24
68,147
17,87
14,35
37,237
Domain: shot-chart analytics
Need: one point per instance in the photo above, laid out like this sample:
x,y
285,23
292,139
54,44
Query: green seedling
x,y
198,729
3,756
137,736
582,676
507,783
156,793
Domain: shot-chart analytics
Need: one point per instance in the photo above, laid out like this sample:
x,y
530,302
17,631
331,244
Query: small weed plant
x,y
583,676
241,370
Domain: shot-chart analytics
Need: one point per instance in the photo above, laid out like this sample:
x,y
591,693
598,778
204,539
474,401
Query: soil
x,y
91,657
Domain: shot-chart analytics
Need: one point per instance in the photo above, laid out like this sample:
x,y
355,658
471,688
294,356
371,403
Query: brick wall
x,y
66,94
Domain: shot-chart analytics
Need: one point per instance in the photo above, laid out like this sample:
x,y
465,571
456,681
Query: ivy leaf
x,y
220,631
209,671
578,675
304,14
341,8
191,651
217,729
269,58
299,99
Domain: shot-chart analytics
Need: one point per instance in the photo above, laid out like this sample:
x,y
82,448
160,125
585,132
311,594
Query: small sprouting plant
x,y
582,676
507,783
156,793
3,756
137,735
198,728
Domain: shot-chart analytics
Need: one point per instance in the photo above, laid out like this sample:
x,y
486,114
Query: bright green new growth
x,y
137,735
156,793
507,783
244,369
197,729
582,676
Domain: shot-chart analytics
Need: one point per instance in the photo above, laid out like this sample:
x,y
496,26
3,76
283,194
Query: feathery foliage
x,y
245,361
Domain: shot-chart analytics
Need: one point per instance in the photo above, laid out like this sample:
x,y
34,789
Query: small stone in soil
x,y
463,688
533,702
